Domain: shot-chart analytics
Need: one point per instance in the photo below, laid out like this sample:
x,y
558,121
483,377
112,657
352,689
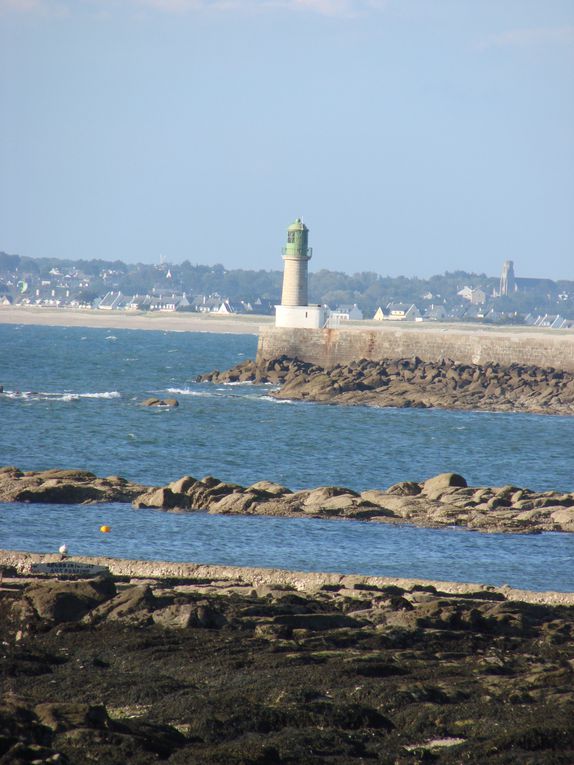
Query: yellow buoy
x,y
105,529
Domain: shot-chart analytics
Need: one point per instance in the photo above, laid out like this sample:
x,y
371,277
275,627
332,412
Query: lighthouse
x,y
296,255
295,310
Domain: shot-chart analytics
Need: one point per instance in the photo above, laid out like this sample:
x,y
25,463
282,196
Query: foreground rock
x,y
413,383
443,500
64,487
217,669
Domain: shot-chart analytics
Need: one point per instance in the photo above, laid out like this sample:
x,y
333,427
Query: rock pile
x,y
444,500
413,383
216,671
64,487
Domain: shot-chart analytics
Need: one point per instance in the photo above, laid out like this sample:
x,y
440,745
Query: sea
x,y
72,399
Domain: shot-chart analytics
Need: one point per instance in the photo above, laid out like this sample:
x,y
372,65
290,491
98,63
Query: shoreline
x,y
159,321
237,323
210,665
256,576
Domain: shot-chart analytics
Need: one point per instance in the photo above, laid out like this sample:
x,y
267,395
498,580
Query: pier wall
x,y
328,347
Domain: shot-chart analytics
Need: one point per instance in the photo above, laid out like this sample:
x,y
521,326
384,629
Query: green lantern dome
x,y
297,225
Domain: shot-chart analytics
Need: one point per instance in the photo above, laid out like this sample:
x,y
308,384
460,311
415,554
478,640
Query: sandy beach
x,y
175,322
239,324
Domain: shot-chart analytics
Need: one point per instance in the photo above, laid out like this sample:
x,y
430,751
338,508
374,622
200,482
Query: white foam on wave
x,y
111,337
279,400
56,396
188,392
105,394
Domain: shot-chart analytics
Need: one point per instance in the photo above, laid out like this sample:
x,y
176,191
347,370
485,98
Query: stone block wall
x,y
327,347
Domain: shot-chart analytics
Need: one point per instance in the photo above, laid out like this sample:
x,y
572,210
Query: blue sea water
x,y
72,399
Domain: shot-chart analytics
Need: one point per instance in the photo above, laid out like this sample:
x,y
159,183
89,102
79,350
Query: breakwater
x,y
469,345
411,382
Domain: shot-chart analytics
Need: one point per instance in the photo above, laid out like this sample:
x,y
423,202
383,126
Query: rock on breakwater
x,y
218,668
443,500
411,382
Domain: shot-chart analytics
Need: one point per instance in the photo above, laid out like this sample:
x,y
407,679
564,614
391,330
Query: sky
x,y
413,136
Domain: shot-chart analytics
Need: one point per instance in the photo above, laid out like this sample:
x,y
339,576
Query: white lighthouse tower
x,y
295,310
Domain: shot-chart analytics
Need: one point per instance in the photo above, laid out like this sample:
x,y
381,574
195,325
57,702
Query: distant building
x,y
553,321
475,296
435,313
398,312
228,307
207,303
509,283
507,278
350,312
111,301
525,284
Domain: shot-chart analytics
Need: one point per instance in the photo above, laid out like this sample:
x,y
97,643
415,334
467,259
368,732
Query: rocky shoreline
x,y
413,383
212,666
443,500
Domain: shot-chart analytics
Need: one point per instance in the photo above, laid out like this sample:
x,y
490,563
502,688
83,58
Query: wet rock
x,y
182,485
268,489
439,501
68,601
184,616
443,481
64,487
134,605
243,672
405,489
160,402
414,383
164,497
62,716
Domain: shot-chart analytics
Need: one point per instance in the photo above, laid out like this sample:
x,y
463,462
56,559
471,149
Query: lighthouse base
x,y
300,316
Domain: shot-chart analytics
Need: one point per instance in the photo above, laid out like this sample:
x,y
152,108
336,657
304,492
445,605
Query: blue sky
x,y
413,136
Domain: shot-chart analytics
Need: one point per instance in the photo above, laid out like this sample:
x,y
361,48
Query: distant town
x,y
451,297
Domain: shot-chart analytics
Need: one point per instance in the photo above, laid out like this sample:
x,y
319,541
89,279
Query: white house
x,y
398,312
349,312
474,295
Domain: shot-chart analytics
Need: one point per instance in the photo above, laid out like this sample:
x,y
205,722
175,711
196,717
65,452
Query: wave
x,y
279,400
105,394
57,396
188,392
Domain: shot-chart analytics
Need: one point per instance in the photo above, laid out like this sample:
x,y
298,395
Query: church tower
x,y
295,310
507,281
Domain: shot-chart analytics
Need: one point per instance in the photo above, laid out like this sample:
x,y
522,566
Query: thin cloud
x,y
341,8
334,8
530,37
22,6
